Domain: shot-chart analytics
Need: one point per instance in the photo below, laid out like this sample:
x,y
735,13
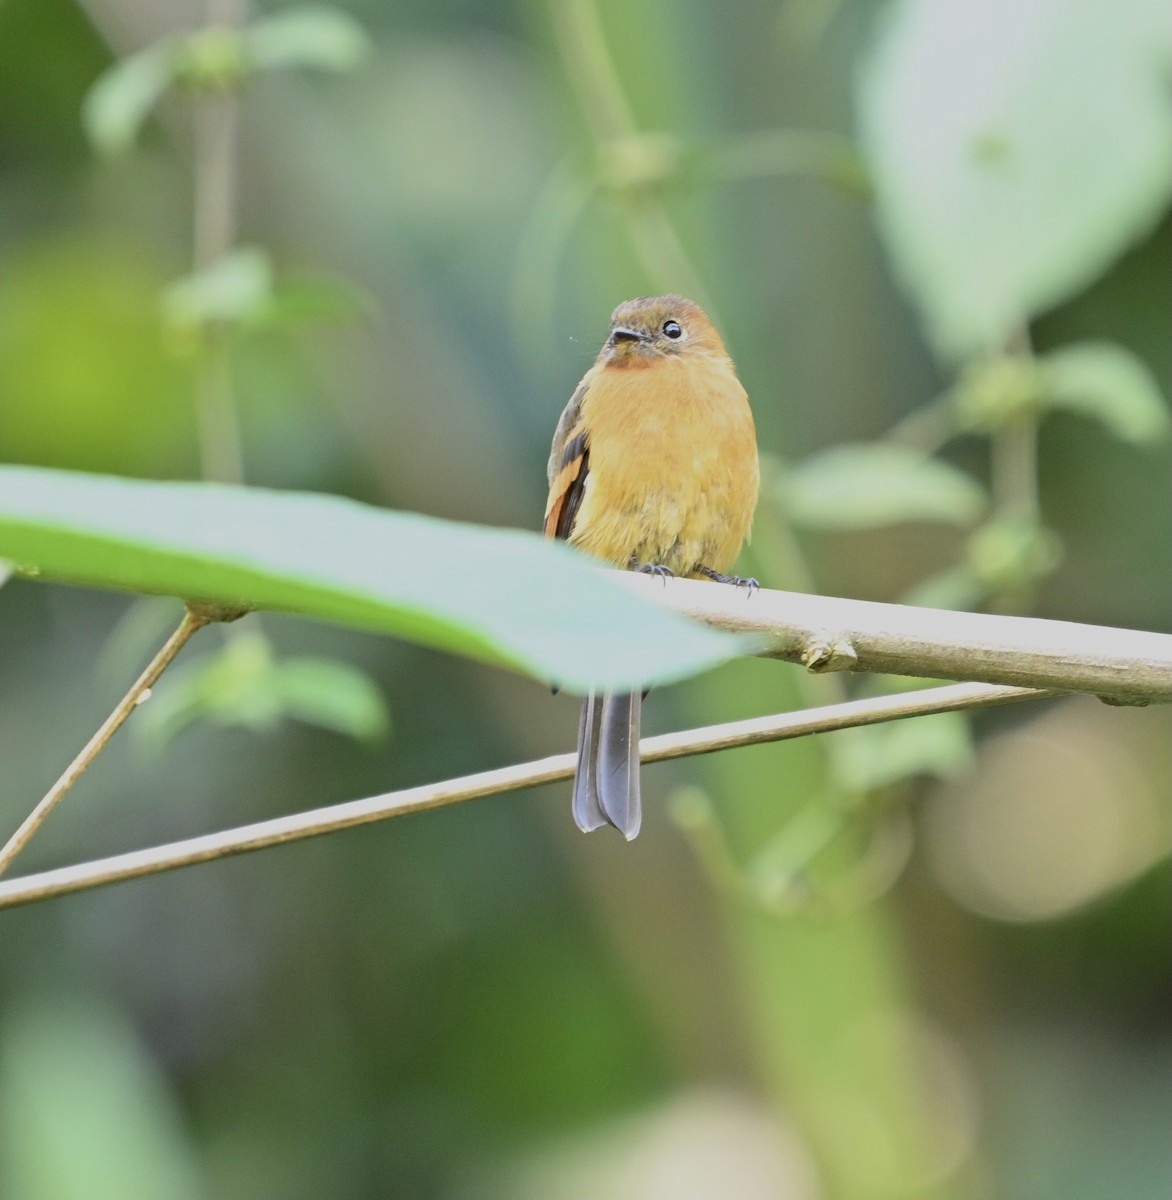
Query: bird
x,y
653,468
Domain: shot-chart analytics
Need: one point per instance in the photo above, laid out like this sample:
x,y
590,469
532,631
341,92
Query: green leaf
x,y
116,106
875,756
868,486
503,596
234,686
1017,147
1011,552
1110,384
111,1129
315,36
246,685
233,288
333,695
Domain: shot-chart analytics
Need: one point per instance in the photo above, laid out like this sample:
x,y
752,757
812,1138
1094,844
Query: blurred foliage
x,y
244,685
832,976
871,486
1026,183
216,58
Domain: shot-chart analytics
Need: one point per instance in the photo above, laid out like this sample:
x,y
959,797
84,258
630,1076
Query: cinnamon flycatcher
x,y
653,468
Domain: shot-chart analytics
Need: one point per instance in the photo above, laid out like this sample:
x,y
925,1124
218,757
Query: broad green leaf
x,y
246,684
1016,148
111,1129
504,596
120,101
233,288
868,486
1104,381
315,36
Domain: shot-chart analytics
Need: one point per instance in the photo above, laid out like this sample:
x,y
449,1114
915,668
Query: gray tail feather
x,y
616,778
588,813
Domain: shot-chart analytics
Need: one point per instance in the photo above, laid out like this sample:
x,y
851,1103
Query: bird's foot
x,y
658,570
751,585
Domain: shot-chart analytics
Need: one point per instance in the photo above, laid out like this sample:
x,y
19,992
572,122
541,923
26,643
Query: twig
x,y
292,828
826,633
190,623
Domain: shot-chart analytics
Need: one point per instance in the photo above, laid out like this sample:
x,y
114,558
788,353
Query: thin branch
x,y
110,726
292,828
825,633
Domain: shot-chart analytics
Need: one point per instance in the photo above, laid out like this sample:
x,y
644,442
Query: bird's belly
x,y
681,494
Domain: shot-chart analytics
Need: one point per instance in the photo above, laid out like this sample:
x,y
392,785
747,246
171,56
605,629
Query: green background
x,y
794,984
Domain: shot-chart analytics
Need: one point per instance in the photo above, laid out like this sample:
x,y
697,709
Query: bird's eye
x,y
672,329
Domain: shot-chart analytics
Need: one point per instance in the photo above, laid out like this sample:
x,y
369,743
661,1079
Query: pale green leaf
x,y
235,686
1016,148
1104,381
866,486
1011,552
504,596
246,685
116,106
875,756
333,695
314,36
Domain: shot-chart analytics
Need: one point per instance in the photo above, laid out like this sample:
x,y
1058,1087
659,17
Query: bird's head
x,y
652,328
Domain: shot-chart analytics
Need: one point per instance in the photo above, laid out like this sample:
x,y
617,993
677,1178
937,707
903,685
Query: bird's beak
x,y
620,333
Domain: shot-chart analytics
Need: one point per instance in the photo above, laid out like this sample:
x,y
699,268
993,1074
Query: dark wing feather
x,y
569,465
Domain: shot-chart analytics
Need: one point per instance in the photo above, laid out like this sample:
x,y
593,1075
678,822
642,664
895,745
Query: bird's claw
x,y
749,584
658,570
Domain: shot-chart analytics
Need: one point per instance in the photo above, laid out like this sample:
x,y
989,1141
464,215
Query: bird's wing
x,y
569,464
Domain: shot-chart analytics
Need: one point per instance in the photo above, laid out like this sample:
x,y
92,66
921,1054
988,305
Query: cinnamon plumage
x,y
653,468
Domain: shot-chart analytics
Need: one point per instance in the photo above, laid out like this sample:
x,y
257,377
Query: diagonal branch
x,y
824,633
292,828
193,621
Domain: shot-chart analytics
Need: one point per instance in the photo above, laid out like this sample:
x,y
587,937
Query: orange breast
x,y
673,465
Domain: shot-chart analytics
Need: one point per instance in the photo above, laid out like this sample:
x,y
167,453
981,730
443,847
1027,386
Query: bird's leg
x,y
736,580
656,569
